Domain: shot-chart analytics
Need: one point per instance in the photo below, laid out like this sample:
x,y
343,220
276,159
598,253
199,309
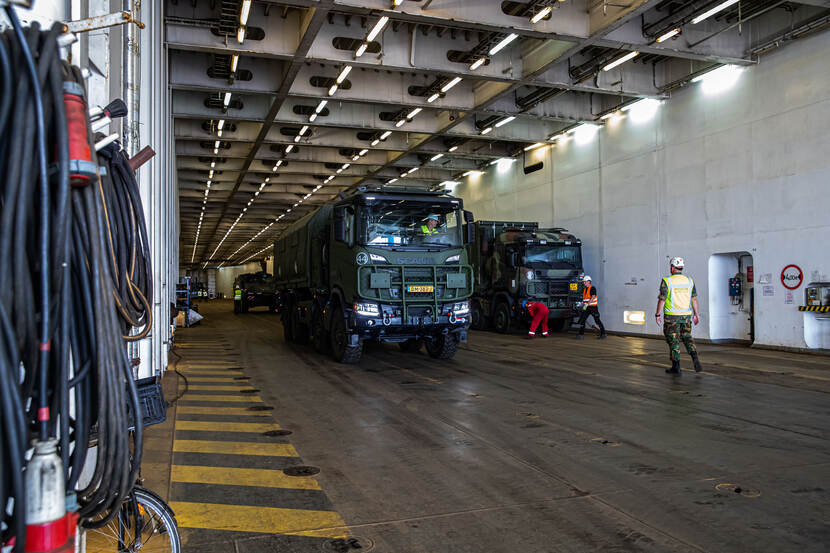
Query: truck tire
x,y
319,335
298,329
477,318
443,347
411,346
559,325
340,348
501,318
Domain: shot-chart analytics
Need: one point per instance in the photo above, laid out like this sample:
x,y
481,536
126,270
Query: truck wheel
x,y
559,325
236,307
443,347
298,329
501,318
340,348
477,319
411,346
319,336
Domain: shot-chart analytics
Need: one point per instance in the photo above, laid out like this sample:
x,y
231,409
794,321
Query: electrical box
x,y
817,294
735,287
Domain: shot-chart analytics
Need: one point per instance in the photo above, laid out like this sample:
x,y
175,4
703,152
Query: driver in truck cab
x,y
430,226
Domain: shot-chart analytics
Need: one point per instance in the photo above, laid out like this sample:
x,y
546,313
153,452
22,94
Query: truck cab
x,y
254,290
518,261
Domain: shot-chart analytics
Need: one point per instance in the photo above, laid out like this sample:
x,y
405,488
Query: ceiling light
x,y
234,62
385,135
400,123
332,90
504,42
413,113
217,143
375,142
533,146
607,116
219,133
289,148
542,14
244,12
240,35
303,130
709,13
339,171
719,79
343,74
620,61
210,175
478,63
227,101
505,121
312,118
279,162
560,136
220,124
297,138
666,36
361,50
436,156
377,28
215,151
397,2
363,152
472,173
320,106
355,157
454,148
346,165
451,84
213,164
390,181
412,170
433,98
487,130
642,110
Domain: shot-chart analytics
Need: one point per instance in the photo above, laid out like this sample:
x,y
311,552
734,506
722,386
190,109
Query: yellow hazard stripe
x,y
267,520
226,379
212,426
817,308
220,388
235,448
211,410
263,478
207,397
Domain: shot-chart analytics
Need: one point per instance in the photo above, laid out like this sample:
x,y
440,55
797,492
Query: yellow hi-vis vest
x,y
237,294
679,298
425,230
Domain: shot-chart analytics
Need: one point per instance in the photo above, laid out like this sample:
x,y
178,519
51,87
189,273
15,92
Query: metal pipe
x,y
412,46
132,81
739,22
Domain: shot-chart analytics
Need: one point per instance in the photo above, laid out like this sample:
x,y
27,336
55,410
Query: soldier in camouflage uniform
x,y
678,302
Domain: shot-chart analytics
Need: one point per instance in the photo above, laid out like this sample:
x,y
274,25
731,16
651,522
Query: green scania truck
x,y
377,265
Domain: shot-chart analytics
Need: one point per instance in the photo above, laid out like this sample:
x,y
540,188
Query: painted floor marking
x,y
222,398
261,478
234,448
211,410
214,426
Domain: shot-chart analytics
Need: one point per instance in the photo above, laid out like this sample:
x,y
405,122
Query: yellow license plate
x,y
417,289
574,286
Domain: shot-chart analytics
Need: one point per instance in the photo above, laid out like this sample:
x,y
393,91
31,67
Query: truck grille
x,y
400,277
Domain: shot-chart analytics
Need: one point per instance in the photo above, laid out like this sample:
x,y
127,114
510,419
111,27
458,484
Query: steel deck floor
x,y
542,446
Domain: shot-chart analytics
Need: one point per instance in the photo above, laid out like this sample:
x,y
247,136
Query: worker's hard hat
x,y
677,262
433,216
586,278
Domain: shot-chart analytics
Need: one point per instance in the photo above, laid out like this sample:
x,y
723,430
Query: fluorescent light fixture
x,y
279,161
719,79
355,157
433,97
332,90
621,60
472,173
533,146
504,42
377,28
478,63
227,100
320,106
390,181
501,160
505,121
634,317
363,152
210,176
240,35
343,74
642,110
412,170
400,123
561,136
244,12
487,130
397,2
451,84
608,115
666,36
234,62
297,138
303,130
361,50
454,148
375,142
541,15
413,113
212,164
217,143
709,13
346,165
312,117
436,157
449,183
385,135
289,148
220,124
585,132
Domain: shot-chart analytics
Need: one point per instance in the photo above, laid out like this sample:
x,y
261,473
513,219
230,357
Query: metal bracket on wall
x,y
99,22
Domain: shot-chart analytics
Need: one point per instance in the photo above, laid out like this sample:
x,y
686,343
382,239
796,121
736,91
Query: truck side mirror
x,y
468,216
511,259
340,224
471,232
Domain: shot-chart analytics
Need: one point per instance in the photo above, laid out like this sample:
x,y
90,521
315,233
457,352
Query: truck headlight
x,y
375,258
461,308
453,258
367,309
530,275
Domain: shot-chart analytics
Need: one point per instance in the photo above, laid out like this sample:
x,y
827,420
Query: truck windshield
x,y
554,257
410,223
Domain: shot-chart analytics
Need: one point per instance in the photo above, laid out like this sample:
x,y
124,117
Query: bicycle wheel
x,y
145,523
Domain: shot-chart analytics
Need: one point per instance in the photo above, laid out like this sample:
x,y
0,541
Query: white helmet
x,y
586,278
677,262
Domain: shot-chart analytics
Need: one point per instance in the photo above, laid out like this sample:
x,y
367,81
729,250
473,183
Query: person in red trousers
x,y
539,312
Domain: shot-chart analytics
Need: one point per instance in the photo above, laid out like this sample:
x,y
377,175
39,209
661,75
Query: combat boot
x,y
580,336
696,362
603,336
675,367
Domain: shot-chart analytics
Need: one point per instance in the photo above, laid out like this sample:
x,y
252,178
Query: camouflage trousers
x,y
676,329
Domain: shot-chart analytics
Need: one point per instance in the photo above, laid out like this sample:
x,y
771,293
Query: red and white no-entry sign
x,y
792,277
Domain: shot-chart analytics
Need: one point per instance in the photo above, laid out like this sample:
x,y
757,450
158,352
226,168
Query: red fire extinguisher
x,y
50,527
81,166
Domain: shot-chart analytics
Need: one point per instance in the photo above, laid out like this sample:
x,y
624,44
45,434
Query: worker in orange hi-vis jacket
x,y
539,311
590,307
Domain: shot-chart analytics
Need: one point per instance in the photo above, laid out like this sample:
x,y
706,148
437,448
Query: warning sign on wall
x,y
769,290
791,277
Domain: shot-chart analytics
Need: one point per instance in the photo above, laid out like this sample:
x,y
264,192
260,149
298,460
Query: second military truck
x,y
253,290
378,265
516,261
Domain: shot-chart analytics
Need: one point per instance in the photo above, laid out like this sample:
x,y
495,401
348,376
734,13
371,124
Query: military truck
x,y
372,267
516,261
254,290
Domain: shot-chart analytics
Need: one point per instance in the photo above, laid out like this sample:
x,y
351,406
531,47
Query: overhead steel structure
x,y
280,105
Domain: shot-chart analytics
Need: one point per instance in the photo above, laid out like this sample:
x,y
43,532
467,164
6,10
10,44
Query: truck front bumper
x,y
390,326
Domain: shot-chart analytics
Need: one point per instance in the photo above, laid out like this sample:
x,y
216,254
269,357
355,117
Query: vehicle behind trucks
x,y
371,267
517,261
254,290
